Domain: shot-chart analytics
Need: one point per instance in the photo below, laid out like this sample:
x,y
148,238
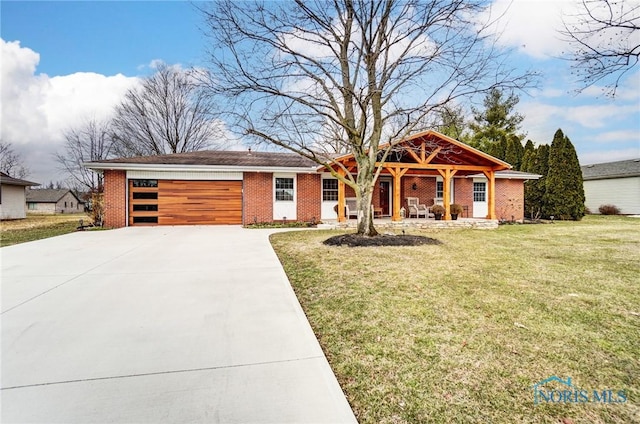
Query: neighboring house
x,y
613,183
52,201
12,197
231,187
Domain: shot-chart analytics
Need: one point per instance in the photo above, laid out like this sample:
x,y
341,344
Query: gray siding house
x,y
613,183
52,201
12,197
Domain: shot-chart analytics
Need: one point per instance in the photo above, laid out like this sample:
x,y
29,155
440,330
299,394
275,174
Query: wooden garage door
x,y
189,202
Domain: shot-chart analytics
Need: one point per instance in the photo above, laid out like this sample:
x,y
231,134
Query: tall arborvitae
x,y
564,195
534,189
529,147
514,152
528,156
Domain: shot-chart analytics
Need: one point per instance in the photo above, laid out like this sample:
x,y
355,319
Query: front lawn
x,y
36,227
461,332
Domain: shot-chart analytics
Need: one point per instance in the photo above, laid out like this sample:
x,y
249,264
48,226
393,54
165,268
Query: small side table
x,y
377,212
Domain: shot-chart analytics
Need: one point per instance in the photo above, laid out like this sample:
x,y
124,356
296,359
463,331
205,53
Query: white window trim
x,y
322,189
285,208
295,188
452,190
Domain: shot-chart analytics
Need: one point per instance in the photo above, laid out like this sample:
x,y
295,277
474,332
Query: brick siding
x,y
425,190
257,196
463,194
309,197
115,199
509,199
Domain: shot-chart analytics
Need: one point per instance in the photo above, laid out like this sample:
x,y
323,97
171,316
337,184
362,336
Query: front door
x,y
385,192
480,208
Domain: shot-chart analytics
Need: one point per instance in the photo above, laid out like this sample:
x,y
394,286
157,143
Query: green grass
x,y
36,227
462,331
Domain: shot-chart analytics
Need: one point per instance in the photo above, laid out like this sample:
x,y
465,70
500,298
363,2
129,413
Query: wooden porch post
x,y
397,174
491,177
341,201
447,174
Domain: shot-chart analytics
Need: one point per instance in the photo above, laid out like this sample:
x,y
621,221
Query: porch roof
x,y
430,151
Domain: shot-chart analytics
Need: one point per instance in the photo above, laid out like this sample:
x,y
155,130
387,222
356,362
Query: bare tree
x,y
11,163
168,113
298,73
87,142
452,122
605,39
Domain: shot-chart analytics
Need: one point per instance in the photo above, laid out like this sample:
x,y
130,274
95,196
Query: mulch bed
x,y
355,240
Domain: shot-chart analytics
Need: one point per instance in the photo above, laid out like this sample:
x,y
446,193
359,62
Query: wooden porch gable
x,y
427,153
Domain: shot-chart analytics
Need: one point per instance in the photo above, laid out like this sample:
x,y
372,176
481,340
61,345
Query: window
x,y
284,189
145,195
439,189
31,206
479,192
65,204
329,190
71,204
145,183
145,219
143,202
145,208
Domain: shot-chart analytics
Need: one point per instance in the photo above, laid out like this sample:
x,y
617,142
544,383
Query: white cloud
x,y
609,155
36,108
553,92
617,136
543,119
531,25
598,116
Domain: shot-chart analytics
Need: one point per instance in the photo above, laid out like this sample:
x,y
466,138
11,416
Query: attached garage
x,y
184,202
209,188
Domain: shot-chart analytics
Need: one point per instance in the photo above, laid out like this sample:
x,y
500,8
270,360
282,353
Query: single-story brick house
x,y
244,187
599,179
12,197
52,201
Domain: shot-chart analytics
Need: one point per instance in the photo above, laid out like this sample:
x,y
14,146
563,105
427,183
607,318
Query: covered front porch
x,y
420,159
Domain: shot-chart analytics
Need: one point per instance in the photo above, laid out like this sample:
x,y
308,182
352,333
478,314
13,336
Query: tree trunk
x,y
364,195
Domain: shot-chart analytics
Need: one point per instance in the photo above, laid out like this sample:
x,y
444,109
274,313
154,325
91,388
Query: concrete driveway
x,y
158,324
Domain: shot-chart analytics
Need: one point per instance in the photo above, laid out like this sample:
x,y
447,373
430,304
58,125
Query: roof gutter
x,y
508,176
101,166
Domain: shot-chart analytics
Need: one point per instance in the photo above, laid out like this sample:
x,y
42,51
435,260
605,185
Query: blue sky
x,y
64,62
108,37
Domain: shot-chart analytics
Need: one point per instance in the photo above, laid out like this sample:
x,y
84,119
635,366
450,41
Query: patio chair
x,y
416,208
350,206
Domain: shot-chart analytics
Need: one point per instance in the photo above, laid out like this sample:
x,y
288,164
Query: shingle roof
x,y
222,158
6,179
619,169
47,195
